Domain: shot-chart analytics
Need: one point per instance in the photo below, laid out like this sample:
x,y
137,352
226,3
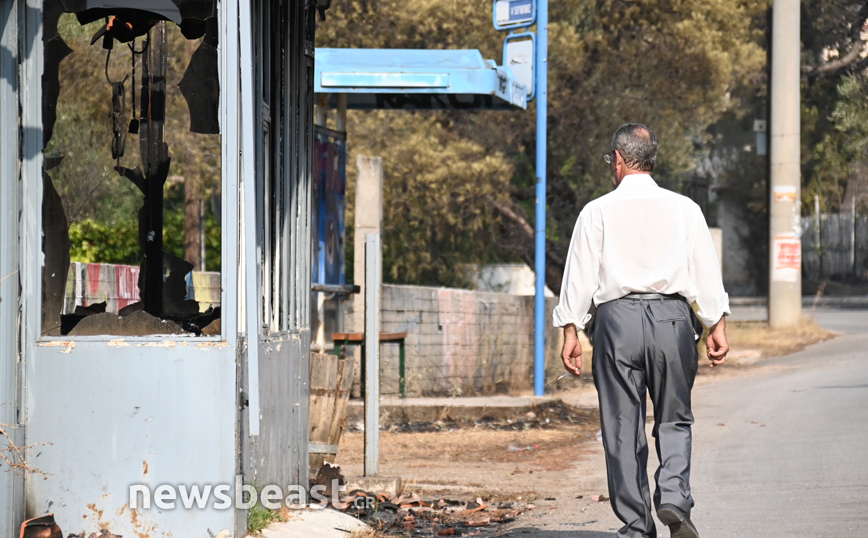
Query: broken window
x,y
132,168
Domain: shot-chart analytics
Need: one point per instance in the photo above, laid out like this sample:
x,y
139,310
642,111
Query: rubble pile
x,y
413,516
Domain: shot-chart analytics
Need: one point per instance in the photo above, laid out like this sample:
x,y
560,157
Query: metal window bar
x,y
285,265
292,151
304,291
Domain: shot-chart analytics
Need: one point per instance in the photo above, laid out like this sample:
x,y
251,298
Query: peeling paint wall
x,y
462,341
106,413
105,417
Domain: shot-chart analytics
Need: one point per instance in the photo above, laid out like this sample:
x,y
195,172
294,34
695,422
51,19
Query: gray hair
x,y
637,145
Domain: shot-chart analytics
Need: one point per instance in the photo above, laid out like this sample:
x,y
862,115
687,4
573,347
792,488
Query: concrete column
x,y
369,220
785,278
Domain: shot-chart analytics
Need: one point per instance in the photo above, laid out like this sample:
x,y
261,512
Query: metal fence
x,y
835,245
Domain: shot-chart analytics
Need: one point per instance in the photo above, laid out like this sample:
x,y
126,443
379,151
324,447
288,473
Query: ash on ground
x,y
549,415
414,516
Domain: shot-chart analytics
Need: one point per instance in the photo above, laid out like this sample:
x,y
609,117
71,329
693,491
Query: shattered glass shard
x,y
55,51
201,88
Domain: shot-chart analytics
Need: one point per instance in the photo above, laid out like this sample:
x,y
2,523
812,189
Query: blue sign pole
x,y
542,22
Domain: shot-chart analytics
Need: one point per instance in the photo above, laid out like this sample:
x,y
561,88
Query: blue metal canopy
x,y
416,79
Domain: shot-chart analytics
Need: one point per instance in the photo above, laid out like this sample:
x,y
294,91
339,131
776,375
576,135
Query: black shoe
x,y
677,520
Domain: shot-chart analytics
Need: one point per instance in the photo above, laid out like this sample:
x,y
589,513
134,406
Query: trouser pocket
x,y
663,311
676,311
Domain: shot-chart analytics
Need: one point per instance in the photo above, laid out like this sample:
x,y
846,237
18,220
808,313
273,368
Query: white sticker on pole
x,y
785,193
787,258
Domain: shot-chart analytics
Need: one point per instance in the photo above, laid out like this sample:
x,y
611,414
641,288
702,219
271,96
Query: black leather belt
x,y
655,296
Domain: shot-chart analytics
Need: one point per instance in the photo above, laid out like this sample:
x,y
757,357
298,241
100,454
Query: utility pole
x,y
542,70
785,261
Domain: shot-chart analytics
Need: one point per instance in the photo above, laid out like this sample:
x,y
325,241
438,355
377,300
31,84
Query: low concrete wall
x,y
463,342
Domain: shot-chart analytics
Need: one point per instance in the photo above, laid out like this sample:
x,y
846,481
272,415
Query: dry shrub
x,y
366,533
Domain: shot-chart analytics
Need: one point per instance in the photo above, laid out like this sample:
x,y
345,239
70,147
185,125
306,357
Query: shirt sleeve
x,y
704,270
581,273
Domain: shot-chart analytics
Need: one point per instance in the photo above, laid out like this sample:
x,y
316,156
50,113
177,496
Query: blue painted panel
x,y
328,207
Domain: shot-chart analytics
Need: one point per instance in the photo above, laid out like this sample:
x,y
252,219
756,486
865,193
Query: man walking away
x,y
642,254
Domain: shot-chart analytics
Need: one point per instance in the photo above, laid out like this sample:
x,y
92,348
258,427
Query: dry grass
x,y
13,455
768,342
366,533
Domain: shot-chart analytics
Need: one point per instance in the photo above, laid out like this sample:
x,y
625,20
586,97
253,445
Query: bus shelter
x,y
396,79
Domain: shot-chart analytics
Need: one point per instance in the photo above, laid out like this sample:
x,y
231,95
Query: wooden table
x,y
342,340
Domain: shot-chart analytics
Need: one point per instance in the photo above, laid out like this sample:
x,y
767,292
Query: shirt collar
x,y
636,180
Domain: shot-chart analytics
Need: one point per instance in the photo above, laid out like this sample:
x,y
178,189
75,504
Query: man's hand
x,y
716,343
572,352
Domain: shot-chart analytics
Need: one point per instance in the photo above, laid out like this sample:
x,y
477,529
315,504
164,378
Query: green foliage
x,y
673,65
834,127
825,159
850,116
437,194
102,206
173,227
259,517
834,110
94,241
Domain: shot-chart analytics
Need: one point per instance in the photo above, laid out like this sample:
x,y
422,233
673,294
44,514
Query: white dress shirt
x,y
645,239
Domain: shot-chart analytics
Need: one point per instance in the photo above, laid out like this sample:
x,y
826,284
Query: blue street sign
x,y
511,14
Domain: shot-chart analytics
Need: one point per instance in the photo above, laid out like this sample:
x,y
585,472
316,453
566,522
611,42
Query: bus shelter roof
x,y
416,79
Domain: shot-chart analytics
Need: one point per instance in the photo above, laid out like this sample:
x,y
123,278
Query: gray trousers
x,y
639,345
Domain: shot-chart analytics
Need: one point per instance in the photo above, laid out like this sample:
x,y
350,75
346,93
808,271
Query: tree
x,y
833,132
101,205
833,36
833,95
672,65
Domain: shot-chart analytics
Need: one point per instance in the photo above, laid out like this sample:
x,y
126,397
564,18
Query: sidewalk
x,y
324,523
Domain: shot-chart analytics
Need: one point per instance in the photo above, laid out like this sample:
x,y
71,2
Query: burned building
x,y
107,111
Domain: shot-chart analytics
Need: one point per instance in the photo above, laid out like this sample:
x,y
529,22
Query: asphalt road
x,y
780,452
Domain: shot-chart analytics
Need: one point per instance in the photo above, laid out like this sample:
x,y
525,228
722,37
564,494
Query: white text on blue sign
x,y
520,10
